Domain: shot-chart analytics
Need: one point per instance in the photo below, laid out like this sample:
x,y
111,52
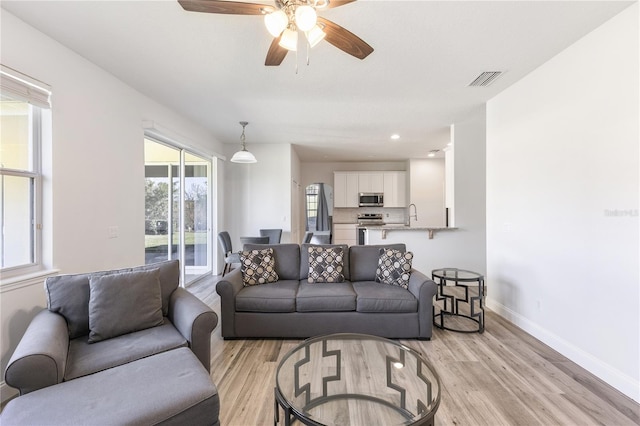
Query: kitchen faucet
x,y
414,215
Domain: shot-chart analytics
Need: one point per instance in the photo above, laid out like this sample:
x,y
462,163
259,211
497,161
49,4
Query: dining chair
x,y
307,237
254,240
229,256
274,235
321,237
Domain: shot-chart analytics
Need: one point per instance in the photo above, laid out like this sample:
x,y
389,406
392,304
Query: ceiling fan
x,y
285,20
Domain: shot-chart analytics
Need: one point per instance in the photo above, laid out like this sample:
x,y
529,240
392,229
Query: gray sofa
x,y
89,357
294,308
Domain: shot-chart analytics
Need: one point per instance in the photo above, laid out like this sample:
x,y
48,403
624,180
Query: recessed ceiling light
x,y
395,136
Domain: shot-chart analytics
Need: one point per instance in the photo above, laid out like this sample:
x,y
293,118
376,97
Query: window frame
x,y
22,88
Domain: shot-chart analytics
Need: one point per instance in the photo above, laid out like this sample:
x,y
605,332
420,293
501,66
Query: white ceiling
x,y
210,67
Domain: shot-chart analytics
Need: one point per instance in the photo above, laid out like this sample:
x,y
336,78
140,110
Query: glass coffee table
x,y
356,379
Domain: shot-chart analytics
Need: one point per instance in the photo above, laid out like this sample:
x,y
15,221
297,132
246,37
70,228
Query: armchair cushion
x,y
87,358
123,303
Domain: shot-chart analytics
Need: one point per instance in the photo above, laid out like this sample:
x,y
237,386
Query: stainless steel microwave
x,y
371,199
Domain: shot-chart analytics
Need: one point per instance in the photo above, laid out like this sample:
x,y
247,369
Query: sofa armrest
x,y
228,288
195,321
423,288
41,356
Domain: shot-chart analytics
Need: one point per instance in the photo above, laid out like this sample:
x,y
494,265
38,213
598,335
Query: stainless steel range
x,y
370,219
367,219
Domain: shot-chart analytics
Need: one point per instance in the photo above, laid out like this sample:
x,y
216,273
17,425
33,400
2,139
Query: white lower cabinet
x,y
345,233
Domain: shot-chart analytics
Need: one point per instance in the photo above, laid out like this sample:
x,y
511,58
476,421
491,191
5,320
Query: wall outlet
x,y
112,231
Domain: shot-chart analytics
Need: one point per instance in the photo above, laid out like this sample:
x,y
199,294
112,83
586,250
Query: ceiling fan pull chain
x,y
308,49
296,61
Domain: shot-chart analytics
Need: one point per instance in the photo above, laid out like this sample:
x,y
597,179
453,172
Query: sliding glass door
x,y
178,208
197,214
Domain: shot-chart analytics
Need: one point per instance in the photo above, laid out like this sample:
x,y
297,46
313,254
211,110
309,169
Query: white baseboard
x,y
614,377
6,393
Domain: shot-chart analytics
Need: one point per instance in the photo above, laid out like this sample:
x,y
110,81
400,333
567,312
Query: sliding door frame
x,y
210,162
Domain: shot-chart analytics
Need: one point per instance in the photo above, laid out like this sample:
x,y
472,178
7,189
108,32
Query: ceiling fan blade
x,y
337,3
276,53
345,40
227,7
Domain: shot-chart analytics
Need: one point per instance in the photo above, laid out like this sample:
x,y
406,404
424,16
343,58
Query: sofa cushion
x,y
325,264
87,358
123,303
304,259
274,297
287,258
363,260
258,267
394,267
68,295
327,297
378,297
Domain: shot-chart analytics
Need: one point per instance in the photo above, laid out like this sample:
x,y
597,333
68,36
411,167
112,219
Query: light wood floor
x,y
501,377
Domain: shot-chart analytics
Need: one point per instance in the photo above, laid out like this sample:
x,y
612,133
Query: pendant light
x,y
243,156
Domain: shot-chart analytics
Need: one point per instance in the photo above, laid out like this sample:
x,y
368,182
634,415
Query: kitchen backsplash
x,y
350,215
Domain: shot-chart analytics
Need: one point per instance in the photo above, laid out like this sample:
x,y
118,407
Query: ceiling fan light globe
x,y
276,22
315,35
306,17
289,40
244,157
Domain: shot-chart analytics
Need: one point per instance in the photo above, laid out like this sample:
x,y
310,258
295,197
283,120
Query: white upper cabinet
x,y
348,185
345,189
370,182
395,189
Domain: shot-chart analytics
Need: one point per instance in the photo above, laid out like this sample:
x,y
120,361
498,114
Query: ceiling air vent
x,y
485,78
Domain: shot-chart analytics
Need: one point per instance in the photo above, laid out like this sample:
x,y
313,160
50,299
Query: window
x,y
311,194
23,102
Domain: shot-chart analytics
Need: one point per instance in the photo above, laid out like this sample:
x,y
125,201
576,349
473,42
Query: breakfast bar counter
x,y
384,229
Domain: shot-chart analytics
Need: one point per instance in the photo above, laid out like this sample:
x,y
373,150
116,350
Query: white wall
x,y
426,191
258,195
562,153
97,166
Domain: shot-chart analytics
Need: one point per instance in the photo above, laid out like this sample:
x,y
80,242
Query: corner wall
x,y
562,203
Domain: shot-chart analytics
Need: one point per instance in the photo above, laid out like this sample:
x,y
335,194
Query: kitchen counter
x,y
401,227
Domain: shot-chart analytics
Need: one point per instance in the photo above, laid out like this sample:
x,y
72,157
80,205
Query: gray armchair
x,y
56,346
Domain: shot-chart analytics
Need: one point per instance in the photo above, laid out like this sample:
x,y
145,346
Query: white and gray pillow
x,y
258,267
325,264
394,267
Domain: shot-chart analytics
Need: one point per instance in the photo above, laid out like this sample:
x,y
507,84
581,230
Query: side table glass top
x,y
343,379
455,273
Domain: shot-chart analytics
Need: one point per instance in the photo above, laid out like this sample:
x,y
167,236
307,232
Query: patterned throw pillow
x,y
325,264
394,267
258,267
